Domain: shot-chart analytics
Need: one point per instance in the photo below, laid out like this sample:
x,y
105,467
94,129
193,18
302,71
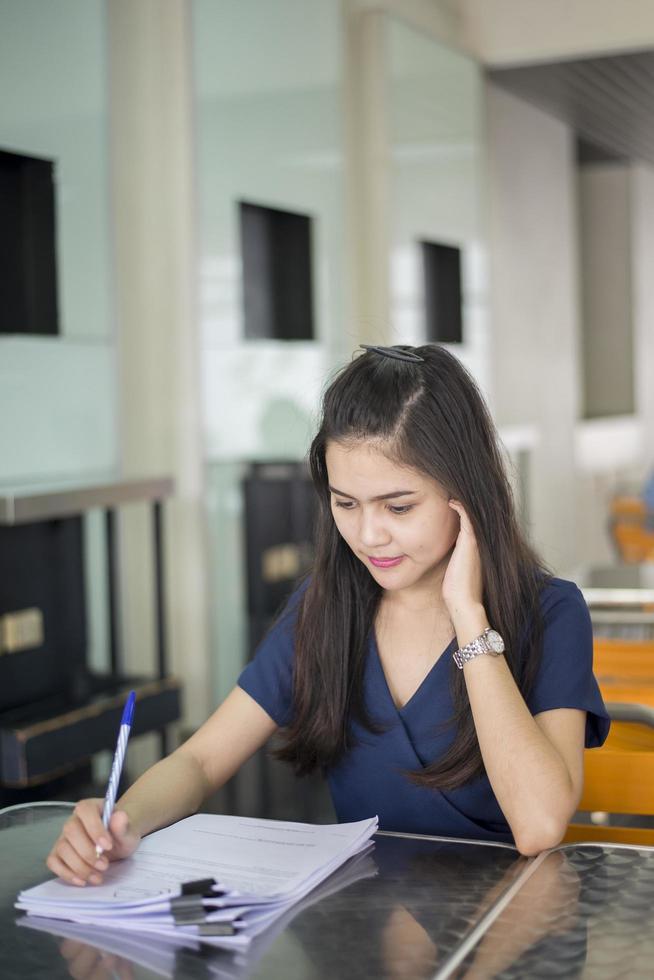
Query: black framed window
x,y
277,279
28,274
442,282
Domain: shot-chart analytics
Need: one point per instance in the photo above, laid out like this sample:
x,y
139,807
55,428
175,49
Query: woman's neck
x,y
415,601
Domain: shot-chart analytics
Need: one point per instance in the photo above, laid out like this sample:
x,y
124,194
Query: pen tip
x,y
128,711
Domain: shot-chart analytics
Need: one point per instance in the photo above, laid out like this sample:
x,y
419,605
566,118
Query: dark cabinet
x,y
55,710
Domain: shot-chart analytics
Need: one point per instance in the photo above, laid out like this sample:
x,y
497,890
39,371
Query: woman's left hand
x,y
462,582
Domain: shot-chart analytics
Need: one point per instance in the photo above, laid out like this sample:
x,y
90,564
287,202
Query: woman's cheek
x,y
341,524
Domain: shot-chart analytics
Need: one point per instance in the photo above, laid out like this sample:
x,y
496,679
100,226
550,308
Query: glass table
x,y
414,907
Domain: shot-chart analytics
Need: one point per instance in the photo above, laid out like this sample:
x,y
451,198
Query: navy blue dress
x,y
370,778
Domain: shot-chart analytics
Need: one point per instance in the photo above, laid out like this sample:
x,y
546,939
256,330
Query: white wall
x,y
434,100
577,465
614,454
269,131
642,250
58,404
58,393
606,289
535,315
269,116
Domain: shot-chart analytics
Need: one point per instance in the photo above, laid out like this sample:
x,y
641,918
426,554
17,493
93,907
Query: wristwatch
x,y
489,641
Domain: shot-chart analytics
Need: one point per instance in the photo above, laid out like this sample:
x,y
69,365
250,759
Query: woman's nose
x,y
372,530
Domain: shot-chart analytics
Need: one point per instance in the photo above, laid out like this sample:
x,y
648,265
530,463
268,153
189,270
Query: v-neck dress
x,y
371,777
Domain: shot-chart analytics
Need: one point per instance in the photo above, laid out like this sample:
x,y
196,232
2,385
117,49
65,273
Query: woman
x,y
429,665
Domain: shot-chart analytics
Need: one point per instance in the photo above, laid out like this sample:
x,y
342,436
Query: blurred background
x,y
205,206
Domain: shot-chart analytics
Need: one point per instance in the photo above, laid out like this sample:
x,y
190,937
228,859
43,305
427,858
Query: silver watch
x,y
489,641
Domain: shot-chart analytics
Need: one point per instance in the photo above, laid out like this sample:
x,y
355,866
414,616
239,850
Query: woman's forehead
x,y
369,463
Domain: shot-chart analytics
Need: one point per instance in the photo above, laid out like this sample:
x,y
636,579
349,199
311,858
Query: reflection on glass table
x,y
415,907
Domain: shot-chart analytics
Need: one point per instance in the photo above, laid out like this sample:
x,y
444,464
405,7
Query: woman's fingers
x,y
74,857
461,511
64,861
81,870
463,580
58,867
77,836
89,814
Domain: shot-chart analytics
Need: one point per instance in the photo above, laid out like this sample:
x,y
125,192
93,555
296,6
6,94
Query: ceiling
x,y
608,101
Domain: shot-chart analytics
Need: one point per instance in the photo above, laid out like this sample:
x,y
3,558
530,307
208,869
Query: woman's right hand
x,y
74,857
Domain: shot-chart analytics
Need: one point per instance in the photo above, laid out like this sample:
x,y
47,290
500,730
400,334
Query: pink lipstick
x,y
385,562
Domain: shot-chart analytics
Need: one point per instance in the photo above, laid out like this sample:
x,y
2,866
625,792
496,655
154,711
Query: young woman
x,y
429,666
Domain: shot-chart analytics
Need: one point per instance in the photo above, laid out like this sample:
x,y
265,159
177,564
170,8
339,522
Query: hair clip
x,y
394,352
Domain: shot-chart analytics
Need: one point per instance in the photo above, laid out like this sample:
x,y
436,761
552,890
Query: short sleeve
x,y
565,678
268,678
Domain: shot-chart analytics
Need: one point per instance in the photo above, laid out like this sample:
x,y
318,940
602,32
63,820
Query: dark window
x,y
28,279
442,276
277,288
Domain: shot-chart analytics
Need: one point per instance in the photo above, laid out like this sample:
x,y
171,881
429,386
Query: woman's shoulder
x,y
268,677
560,593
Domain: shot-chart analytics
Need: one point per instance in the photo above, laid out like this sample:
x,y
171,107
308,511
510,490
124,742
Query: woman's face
x,y
395,519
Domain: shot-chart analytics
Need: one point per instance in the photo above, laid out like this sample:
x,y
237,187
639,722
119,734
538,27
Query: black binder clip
x,y
202,886
188,908
217,929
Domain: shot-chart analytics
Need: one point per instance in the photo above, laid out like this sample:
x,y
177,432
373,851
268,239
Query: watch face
x,y
495,641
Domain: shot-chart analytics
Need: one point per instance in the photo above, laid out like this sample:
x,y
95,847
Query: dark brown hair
x,y
429,416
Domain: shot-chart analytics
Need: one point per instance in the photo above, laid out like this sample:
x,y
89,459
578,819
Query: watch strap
x,y
474,649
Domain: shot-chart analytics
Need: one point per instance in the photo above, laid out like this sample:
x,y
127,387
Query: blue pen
x,y
117,764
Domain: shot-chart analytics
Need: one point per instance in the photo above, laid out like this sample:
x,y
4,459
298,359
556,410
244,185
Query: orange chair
x,y
633,540
625,671
633,658
619,778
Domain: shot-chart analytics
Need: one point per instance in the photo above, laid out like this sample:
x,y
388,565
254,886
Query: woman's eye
x,y
400,508
345,504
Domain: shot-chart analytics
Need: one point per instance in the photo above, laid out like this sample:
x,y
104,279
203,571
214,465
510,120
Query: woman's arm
x,y
177,786
534,764
170,790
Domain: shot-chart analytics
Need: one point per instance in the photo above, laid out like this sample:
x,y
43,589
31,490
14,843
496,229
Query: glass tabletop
x,y
400,910
414,908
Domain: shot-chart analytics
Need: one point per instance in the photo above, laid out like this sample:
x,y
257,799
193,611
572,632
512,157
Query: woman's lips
x,y
385,562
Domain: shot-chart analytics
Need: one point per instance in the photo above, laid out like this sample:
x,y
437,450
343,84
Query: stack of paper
x,y
166,955
221,880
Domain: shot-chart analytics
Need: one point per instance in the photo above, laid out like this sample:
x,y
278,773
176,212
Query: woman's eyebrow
x,y
382,496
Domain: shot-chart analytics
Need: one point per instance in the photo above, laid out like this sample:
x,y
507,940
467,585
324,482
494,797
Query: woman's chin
x,y
391,579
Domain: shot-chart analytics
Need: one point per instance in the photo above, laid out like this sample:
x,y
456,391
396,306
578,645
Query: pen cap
x,y
128,711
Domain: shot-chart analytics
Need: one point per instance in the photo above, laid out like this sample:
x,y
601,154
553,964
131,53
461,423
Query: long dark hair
x,y
429,416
